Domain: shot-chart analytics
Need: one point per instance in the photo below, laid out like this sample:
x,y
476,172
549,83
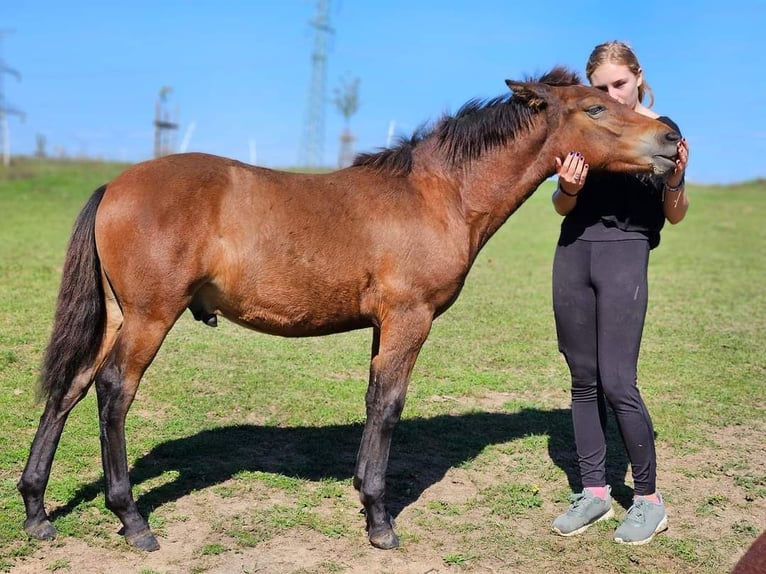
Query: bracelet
x,y
561,189
673,189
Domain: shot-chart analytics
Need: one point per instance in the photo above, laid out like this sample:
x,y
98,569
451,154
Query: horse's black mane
x,y
479,125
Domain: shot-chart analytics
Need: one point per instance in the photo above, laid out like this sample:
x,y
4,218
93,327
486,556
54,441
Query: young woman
x,y
599,301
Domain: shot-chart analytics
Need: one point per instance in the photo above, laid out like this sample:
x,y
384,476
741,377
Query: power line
x,y
312,148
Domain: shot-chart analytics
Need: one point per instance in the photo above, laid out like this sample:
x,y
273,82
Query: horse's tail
x,y
78,327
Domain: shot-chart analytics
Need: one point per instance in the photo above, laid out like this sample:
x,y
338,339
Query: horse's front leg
x,y
394,352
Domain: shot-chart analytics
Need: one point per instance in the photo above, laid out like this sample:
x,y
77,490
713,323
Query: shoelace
x,y
636,512
577,501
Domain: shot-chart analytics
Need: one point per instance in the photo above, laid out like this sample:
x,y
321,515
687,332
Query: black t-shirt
x,y
617,206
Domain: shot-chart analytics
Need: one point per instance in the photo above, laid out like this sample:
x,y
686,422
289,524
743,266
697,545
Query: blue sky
x,y
240,70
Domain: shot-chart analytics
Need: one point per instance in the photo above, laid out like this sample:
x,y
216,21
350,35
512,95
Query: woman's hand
x,y
572,172
681,161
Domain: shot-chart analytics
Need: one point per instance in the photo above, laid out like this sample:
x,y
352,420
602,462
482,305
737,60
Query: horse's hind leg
x,y
116,386
395,349
34,479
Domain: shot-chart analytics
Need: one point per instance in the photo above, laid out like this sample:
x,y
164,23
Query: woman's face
x,y
619,82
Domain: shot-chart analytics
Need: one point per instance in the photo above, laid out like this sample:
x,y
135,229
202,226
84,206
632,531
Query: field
x,y
242,446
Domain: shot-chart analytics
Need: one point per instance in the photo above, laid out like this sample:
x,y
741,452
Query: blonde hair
x,y
620,53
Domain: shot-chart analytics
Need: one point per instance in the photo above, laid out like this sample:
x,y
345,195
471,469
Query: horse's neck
x,y
495,185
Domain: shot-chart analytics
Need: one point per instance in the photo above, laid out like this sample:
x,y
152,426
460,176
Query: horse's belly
x,y
290,327
285,308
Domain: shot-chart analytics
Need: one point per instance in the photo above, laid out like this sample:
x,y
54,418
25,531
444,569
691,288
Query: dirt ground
x,y
198,520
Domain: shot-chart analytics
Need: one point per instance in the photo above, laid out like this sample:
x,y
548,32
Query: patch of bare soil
x,y
705,492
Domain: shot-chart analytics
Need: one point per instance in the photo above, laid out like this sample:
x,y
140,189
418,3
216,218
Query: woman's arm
x,y
675,202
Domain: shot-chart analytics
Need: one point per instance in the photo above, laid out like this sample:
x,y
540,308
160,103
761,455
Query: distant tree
x,y
346,101
346,98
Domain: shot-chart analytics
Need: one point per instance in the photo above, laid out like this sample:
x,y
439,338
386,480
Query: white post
x,y
391,128
187,137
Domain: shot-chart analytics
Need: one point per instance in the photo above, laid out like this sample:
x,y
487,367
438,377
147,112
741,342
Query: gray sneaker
x,y
643,521
585,511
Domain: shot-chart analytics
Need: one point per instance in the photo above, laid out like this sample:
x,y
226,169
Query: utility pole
x,y
164,127
5,109
313,127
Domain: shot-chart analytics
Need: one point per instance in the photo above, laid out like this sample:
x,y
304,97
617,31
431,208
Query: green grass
x,y
288,413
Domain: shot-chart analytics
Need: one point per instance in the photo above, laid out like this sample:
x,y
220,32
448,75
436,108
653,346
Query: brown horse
x,y
754,559
384,244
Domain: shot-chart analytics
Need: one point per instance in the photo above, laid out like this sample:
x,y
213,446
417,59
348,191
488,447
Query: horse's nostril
x,y
673,137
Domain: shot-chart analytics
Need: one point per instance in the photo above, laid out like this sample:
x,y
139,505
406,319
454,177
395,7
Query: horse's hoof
x,y
144,540
385,540
41,530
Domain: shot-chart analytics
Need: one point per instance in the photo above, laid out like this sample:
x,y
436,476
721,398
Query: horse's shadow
x,y
423,450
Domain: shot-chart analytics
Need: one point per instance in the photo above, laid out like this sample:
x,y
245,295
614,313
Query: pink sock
x,y
655,498
597,491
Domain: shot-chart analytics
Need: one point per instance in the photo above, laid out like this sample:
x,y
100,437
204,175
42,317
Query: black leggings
x,y
599,303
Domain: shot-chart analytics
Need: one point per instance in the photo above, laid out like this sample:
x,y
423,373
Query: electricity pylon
x,y
5,109
312,147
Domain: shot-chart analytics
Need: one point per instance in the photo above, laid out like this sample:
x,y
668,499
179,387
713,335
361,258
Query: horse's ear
x,y
534,94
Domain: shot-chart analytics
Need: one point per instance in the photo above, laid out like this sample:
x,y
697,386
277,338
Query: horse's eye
x,y
593,111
